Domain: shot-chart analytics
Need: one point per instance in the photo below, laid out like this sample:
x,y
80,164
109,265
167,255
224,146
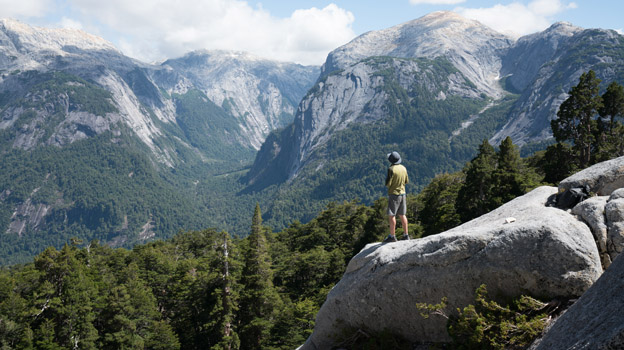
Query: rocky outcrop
x,y
592,212
604,213
543,251
595,321
602,178
614,212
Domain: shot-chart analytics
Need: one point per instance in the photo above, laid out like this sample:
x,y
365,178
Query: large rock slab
x,y
614,212
545,252
592,212
596,320
603,178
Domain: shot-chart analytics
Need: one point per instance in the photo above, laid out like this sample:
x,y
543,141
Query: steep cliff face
x,y
544,67
262,95
259,95
390,99
59,86
351,90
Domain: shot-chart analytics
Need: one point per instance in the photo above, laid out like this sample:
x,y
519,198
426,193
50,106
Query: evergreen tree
x,y
576,117
70,300
610,140
474,197
45,337
508,177
223,313
15,332
259,303
437,203
557,163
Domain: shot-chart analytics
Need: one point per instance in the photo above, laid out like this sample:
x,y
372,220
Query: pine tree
x,y
474,197
259,302
557,164
70,294
576,117
508,177
610,138
437,203
222,315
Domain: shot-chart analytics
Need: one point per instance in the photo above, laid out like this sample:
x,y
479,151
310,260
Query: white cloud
x,y
153,30
436,2
24,8
517,18
70,23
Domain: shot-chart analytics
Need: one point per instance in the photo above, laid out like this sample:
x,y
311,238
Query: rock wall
x,y
602,178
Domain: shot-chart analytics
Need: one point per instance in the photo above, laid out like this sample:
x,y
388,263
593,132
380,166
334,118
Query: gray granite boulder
x,y
614,212
523,247
592,212
595,321
603,178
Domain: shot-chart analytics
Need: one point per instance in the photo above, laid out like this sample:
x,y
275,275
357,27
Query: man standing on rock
x,y
397,205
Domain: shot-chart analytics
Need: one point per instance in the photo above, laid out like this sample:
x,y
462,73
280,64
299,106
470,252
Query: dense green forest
x,y
107,184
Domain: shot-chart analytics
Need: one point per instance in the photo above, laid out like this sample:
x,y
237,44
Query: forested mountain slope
x,y
94,144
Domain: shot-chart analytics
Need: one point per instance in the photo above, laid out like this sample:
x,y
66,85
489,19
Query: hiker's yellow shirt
x,y
396,179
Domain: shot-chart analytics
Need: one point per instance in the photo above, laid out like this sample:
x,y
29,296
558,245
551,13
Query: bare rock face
x,y
605,213
596,320
603,178
545,252
592,212
614,212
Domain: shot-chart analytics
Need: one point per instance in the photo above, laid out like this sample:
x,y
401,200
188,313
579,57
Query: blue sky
x,y
302,31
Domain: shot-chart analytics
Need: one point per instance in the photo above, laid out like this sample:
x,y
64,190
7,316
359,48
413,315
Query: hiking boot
x,y
406,237
390,238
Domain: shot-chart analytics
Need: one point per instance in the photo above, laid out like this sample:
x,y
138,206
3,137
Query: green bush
x,y
487,325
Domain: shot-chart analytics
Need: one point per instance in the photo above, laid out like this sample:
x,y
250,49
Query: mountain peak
x,y
29,38
443,18
467,43
565,28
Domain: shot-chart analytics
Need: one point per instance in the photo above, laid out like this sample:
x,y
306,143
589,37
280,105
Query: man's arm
x,y
388,177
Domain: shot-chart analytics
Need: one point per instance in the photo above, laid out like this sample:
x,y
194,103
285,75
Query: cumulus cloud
x,y
517,18
24,8
436,2
153,30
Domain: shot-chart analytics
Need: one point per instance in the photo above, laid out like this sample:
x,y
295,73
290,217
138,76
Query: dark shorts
x,y
397,205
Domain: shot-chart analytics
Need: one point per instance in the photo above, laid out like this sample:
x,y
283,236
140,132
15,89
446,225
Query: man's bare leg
x,y
404,224
392,221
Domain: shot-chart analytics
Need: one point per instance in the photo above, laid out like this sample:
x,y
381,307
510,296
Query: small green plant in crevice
x,y
488,325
